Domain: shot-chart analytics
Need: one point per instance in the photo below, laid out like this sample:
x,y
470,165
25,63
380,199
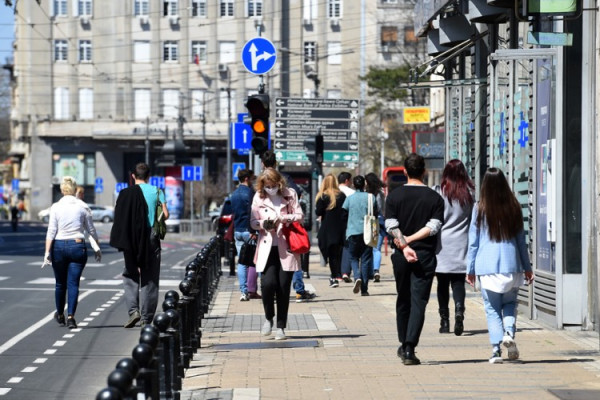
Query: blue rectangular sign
x,y
242,136
236,168
191,173
158,181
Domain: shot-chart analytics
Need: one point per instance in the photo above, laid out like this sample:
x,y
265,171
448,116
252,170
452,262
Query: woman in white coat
x,y
273,206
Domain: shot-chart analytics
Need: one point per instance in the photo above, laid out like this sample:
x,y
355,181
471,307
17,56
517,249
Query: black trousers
x,y
457,281
275,284
335,260
413,285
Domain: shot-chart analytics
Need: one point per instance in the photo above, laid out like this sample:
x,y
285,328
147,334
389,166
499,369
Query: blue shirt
x,y
486,257
149,192
356,205
241,205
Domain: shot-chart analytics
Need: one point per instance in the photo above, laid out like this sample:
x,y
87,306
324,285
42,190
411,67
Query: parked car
x,y
214,213
102,213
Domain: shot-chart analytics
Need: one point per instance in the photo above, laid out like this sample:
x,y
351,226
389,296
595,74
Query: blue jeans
x,y
377,254
500,310
242,270
68,260
361,260
298,281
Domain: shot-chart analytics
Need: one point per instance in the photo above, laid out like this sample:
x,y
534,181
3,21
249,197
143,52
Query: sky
x,y
6,32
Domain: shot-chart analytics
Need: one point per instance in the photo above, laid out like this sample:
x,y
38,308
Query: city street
x,y
38,358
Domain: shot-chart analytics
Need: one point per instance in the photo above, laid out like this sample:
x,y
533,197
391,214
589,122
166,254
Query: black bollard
x,y
187,288
121,380
175,348
147,378
165,363
109,393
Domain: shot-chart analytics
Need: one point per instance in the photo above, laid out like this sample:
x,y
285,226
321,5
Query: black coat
x,y
333,223
130,230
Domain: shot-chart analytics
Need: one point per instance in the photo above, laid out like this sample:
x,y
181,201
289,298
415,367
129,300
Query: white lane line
x,y
17,338
100,309
28,369
15,379
4,391
68,336
42,281
83,324
115,262
3,278
50,351
88,319
59,343
107,304
106,282
40,360
94,265
96,313
76,329
8,261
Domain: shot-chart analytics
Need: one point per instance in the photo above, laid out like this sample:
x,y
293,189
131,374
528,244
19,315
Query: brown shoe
x,y
254,295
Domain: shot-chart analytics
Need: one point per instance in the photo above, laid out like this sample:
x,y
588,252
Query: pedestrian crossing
x,y
98,282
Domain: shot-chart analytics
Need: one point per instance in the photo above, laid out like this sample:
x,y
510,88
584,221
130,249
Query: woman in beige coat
x,y
273,206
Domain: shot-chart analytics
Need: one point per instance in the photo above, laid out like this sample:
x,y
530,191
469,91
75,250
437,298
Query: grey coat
x,y
452,256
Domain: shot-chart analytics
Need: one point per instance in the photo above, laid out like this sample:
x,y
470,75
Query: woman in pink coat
x,y
273,206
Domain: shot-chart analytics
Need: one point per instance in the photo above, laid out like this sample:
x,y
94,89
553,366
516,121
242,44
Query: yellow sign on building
x,y
417,115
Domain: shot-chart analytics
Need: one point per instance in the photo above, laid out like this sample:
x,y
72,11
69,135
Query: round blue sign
x,y
259,56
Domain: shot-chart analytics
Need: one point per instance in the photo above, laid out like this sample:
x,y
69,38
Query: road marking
x,y
88,319
4,391
106,282
83,324
3,278
42,281
17,338
67,336
115,262
6,261
40,360
50,351
28,369
15,379
59,343
94,265
94,314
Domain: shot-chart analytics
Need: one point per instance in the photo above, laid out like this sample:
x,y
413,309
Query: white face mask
x,y
271,191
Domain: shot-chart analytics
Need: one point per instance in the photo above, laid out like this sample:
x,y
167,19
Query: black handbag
x,y
246,256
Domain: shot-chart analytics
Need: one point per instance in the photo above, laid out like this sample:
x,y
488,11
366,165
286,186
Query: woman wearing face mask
x,y
273,206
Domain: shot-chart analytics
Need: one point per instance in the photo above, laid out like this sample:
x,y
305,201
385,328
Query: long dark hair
x,y
456,184
374,184
499,207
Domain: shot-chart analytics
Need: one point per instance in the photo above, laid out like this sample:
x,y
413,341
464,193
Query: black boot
x,y
459,318
444,320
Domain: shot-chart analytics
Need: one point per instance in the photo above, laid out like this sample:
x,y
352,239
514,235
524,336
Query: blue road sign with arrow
x,y
259,55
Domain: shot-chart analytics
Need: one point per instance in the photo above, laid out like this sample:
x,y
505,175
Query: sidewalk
x,y
343,346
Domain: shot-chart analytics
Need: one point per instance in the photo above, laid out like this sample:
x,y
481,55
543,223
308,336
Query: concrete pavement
x,y
343,346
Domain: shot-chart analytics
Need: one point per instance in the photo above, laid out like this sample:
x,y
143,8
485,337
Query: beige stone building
x,y
100,85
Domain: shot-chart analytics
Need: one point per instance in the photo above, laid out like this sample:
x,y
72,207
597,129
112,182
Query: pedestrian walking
x,y
331,236
274,205
70,219
345,185
375,187
456,189
132,233
414,215
80,194
361,255
302,295
498,256
241,206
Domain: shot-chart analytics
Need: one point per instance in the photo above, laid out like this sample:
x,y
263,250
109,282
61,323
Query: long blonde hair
x,y
329,188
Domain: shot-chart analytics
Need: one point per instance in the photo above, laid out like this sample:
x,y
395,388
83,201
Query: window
x,y
389,1
198,100
254,8
334,53
85,51
224,101
310,10
198,51
334,8
198,8
61,51
60,8
141,7
86,103
389,37
141,98
61,103
170,8
170,103
170,53
226,9
141,51
226,52
84,7
409,35
334,94
310,51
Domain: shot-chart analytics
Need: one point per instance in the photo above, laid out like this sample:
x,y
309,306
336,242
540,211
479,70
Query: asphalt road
x,y
38,358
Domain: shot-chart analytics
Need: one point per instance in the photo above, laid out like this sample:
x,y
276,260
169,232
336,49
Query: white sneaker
x,y
511,346
280,335
267,327
245,297
496,357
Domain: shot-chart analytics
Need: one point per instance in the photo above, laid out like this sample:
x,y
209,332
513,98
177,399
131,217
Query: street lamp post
x,y
228,169
383,137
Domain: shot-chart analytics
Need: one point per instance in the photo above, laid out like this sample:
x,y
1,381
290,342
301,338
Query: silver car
x,y
99,213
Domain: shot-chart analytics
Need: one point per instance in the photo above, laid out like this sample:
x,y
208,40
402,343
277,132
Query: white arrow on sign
x,y
279,102
279,145
353,146
256,59
279,113
245,135
354,114
279,134
279,124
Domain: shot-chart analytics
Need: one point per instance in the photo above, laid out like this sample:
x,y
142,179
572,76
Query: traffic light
x,y
258,108
314,149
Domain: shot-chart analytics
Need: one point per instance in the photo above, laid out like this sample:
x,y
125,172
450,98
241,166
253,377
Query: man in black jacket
x,y
132,234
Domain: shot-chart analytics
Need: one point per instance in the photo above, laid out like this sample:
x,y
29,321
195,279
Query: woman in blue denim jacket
x,y
498,255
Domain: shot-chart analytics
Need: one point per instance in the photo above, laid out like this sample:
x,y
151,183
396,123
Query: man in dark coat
x,y
132,233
